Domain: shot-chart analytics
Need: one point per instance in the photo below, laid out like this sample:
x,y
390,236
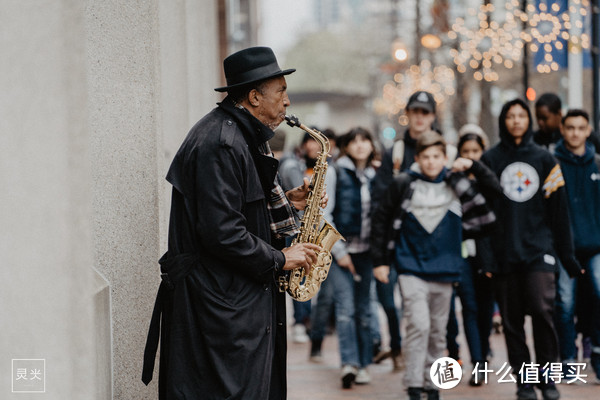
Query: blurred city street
x,y
98,97
307,380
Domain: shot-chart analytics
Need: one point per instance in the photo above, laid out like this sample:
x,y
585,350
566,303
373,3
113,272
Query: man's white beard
x,y
273,126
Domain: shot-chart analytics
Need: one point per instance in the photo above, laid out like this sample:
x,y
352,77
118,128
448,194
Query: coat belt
x,y
173,270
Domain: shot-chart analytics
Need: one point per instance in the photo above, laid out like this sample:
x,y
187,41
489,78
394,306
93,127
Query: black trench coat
x,y
223,318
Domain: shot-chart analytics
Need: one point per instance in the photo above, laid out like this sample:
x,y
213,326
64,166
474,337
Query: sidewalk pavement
x,y
310,381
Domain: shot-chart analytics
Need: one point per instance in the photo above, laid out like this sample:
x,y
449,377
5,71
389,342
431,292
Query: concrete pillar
x,y
124,94
96,96
152,69
46,237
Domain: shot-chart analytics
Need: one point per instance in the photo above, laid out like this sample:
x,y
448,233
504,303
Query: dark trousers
x,y
477,299
531,293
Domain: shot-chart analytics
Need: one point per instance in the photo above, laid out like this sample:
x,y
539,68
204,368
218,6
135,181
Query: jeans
x,y
321,311
477,303
301,312
375,327
470,311
566,294
385,294
352,305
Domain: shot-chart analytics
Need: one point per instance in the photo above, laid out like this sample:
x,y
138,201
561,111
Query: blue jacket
x,y
398,237
345,207
347,213
582,180
434,256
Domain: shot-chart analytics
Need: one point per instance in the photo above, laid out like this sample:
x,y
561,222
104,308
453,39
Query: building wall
x,y
96,96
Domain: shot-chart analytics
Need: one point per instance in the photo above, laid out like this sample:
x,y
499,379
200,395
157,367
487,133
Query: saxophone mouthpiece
x,y
292,120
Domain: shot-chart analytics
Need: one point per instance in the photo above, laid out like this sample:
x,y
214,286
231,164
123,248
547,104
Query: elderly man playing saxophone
x,y
220,314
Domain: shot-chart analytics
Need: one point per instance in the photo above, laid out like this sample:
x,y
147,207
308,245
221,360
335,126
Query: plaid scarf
x,y
281,212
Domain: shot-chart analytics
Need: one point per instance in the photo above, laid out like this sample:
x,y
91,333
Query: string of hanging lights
x,y
438,80
484,44
550,28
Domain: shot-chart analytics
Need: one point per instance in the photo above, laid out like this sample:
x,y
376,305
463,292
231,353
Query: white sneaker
x,y
300,335
363,377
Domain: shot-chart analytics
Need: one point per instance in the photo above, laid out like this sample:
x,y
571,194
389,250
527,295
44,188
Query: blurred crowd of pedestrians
x,y
510,229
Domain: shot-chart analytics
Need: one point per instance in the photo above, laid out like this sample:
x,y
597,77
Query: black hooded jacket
x,y
534,224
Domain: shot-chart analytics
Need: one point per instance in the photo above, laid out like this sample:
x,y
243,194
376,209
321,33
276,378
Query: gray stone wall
x,y
96,96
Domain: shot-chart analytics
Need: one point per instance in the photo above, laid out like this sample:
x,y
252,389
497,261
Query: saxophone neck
x,y
314,133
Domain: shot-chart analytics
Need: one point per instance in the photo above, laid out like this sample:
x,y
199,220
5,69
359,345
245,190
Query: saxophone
x,y
313,227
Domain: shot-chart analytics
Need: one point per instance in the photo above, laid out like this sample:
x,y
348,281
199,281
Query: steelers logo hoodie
x,y
534,227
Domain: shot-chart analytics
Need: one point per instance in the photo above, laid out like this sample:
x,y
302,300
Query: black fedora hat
x,y
251,65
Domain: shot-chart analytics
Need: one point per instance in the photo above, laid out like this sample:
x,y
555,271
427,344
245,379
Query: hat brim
x,y
280,73
421,105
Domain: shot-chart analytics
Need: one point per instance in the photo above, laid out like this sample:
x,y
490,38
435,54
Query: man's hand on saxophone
x,y
301,255
298,195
